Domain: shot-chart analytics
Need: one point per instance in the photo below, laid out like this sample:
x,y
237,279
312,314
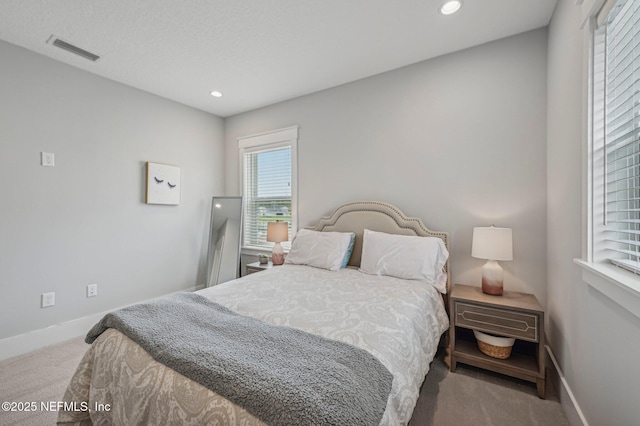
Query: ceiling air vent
x,y
73,49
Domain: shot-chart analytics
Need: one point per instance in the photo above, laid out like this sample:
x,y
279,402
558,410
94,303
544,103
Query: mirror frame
x,y
211,249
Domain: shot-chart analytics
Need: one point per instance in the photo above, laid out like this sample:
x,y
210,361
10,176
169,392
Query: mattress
x,y
398,321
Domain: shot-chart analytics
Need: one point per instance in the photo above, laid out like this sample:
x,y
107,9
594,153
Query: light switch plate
x,y
47,159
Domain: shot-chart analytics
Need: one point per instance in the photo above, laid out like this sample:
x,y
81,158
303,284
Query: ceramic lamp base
x,y
277,254
492,274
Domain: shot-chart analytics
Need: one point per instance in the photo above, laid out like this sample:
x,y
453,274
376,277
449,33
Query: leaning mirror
x,y
223,260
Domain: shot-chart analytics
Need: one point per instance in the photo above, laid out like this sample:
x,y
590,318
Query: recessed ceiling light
x,y
216,94
450,7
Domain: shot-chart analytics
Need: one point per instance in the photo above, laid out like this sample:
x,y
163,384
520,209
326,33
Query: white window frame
x,y
620,285
270,140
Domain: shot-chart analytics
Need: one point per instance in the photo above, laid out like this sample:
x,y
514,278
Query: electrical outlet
x,y
47,159
92,290
48,299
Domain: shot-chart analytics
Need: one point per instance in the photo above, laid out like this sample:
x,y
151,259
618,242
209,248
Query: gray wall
x,y
458,141
595,341
84,221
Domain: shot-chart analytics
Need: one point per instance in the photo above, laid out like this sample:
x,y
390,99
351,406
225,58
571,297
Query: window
x,y
613,182
268,167
615,135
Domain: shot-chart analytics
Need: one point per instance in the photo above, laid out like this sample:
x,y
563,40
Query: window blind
x,y
621,56
267,181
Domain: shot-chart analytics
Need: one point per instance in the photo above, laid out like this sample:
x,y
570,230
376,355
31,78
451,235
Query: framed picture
x,y
163,184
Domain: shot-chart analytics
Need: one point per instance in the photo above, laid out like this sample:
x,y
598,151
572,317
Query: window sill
x,y
619,285
254,251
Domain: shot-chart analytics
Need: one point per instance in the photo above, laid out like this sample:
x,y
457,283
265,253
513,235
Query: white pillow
x,y
405,256
326,250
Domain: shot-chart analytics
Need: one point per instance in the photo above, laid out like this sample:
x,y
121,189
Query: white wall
x,y
84,221
595,341
458,141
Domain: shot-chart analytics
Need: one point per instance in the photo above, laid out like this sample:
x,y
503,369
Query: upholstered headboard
x,y
376,216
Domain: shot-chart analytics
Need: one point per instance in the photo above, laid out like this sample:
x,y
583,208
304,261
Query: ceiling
x,y
256,52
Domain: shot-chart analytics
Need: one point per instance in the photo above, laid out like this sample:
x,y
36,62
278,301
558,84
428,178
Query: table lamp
x,y
493,244
276,233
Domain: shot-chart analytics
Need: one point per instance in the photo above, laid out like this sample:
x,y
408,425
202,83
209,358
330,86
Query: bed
x,y
398,321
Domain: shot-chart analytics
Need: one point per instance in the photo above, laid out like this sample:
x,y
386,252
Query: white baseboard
x,y
36,339
565,395
32,340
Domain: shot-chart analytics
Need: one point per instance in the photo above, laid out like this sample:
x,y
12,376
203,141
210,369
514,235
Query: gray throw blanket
x,y
281,375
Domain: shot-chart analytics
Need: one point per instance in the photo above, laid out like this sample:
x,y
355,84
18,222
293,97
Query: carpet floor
x,y
472,396
469,396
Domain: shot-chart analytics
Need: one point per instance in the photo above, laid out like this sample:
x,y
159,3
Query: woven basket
x,y
494,346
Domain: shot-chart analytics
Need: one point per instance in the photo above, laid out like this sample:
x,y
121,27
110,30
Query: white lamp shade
x,y
277,232
492,243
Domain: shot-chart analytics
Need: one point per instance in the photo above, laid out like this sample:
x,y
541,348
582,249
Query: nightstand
x,y
257,267
513,314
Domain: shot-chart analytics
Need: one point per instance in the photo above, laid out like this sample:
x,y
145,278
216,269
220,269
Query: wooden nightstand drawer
x,y
503,322
253,270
